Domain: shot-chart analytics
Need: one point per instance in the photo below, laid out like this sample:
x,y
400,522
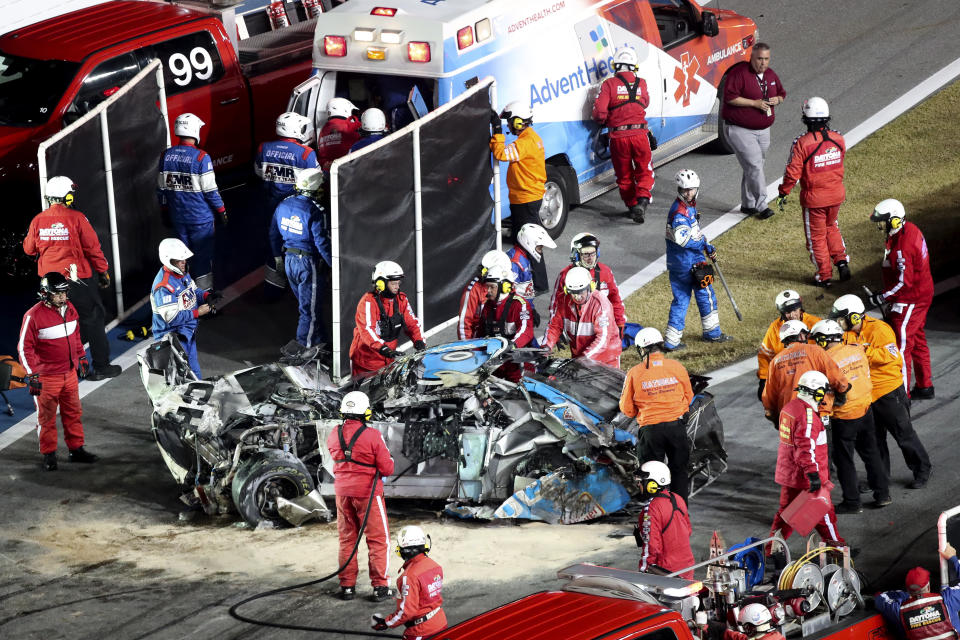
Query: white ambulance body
x,y
551,53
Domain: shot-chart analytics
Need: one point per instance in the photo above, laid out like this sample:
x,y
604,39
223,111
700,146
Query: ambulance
x,y
408,56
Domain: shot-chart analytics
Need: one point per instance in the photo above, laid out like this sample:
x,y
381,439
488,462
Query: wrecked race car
x,y
553,447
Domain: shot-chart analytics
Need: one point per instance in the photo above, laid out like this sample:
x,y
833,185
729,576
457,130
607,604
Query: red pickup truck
x,y
53,72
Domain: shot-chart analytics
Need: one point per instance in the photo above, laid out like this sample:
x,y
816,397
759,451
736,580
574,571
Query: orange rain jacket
x,y
527,172
656,390
771,344
785,372
852,360
886,362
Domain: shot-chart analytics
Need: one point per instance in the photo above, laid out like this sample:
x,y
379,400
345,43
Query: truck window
x,y
101,83
189,61
675,20
30,89
664,633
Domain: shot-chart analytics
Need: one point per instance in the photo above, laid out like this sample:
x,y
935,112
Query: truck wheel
x,y
556,203
721,145
262,479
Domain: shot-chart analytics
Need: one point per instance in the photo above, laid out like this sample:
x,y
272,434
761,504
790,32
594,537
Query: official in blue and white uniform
x,y
188,195
373,127
278,163
300,230
176,301
685,248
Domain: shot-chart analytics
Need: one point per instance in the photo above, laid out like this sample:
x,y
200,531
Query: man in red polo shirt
x,y
750,93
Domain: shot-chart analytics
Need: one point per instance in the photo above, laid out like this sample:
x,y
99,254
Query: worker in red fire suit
x,y
587,321
381,315
920,614
816,161
339,132
756,621
802,457
908,289
505,314
64,241
474,294
361,460
585,252
419,589
621,107
51,352
663,529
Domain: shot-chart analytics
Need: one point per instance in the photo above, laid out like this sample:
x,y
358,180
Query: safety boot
x,y
49,462
723,337
676,347
380,594
921,393
843,271
639,210
82,455
347,593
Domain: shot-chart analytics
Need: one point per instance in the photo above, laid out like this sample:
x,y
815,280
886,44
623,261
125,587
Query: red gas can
x,y
806,510
313,8
278,15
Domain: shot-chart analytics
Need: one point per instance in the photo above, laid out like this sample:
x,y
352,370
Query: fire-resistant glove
x,y
712,252
378,622
781,202
387,352
495,122
419,345
34,386
83,367
814,479
104,279
875,300
760,387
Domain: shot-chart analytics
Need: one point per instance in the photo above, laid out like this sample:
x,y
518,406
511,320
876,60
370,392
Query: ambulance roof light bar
x,y
387,12
335,46
418,51
391,36
363,35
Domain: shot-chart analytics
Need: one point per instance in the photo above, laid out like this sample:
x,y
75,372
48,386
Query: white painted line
x,y
881,118
127,359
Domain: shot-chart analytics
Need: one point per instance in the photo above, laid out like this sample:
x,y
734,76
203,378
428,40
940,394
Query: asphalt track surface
x,y
859,58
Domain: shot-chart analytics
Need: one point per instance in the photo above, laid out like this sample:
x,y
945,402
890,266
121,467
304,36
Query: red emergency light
x,y
465,37
387,12
335,46
418,51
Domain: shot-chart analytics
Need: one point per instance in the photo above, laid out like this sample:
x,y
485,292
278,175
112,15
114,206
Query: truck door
x,y
197,81
310,97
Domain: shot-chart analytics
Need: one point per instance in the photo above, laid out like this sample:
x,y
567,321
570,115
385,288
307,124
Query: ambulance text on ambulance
x,y
586,74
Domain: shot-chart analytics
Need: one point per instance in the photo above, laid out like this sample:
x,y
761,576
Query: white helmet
x,y
387,270
494,257
310,180
373,121
657,472
517,109
648,336
814,385
340,107
845,306
411,536
355,403
688,179
627,57
757,616
173,249
581,240
889,215
188,126
499,274
792,329
788,300
293,125
826,331
816,108
531,236
59,187
576,280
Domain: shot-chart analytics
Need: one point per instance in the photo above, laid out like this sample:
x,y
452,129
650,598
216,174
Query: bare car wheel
x,y
264,478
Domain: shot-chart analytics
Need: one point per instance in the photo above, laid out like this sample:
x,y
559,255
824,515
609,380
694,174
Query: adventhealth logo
x,y
598,38
585,75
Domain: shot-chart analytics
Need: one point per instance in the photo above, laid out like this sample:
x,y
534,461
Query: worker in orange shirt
x,y
816,161
657,392
790,305
526,173
852,423
797,358
891,407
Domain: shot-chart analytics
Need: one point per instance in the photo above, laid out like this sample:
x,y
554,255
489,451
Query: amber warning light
x,y
389,12
335,46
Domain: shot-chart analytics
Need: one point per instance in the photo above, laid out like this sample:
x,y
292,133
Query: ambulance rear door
x,y
310,97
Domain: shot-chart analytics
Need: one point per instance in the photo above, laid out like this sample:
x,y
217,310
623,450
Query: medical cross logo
x,y
685,75
598,38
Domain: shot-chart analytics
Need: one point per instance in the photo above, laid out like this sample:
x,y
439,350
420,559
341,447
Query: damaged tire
x,y
264,478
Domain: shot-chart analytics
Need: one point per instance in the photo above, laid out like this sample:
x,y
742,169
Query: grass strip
x,y
915,158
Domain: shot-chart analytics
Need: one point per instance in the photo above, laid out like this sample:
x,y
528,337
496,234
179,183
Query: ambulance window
x,y
630,15
189,61
675,21
101,83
